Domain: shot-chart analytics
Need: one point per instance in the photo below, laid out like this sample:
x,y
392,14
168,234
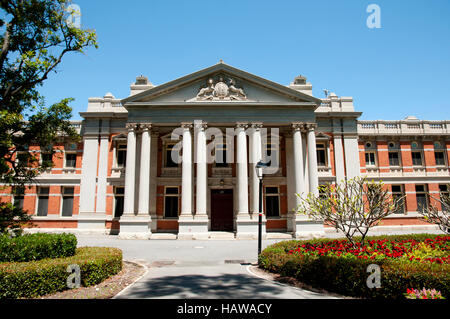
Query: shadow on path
x,y
234,286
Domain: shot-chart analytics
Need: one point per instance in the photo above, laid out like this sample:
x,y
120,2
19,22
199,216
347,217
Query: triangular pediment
x,y
220,83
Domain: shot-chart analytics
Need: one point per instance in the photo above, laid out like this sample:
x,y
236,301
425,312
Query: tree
x,y
34,38
353,206
431,214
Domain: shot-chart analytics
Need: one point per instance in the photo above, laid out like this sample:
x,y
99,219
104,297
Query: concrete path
x,y
197,269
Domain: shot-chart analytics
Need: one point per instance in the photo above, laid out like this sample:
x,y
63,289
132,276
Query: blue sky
x,y
401,69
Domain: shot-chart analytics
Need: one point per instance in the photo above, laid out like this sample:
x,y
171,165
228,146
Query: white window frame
x,y
272,195
171,195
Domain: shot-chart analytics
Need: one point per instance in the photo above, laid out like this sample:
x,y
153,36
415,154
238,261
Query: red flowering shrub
x,y
405,261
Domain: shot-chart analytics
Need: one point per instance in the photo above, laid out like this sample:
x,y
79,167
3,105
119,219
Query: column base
x,y
193,228
247,226
307,229
91,221
135,227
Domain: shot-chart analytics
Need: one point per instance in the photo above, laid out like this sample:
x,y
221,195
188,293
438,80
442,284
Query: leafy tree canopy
x,y
34,37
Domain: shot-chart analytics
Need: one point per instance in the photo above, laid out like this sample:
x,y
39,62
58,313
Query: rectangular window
x,y
18,197
269,153
321,155
168,156
171,202
221,155
43,195
71,160
422,197
440,158
397,192
416,158
394,159
67,199
121,155
272,199
119,193
22,159
47,159
370,159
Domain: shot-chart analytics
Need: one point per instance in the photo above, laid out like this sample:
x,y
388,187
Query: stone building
x,y
123,178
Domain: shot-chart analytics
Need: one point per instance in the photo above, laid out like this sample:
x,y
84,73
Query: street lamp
x,y
259,172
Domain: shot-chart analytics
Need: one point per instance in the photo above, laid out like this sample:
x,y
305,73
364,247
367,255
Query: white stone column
x,y
255,157
102,174
128,208
186,173
202,171
298,162
312,160
242,175
89,167
144,173
338,158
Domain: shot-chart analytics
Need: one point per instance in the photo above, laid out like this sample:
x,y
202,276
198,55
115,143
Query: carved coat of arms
x,y
221,90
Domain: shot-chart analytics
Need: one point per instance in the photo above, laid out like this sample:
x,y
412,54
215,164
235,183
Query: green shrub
x,y
38,278
347,275
36,247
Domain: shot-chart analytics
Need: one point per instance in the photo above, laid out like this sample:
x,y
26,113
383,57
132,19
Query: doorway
x,y
221,210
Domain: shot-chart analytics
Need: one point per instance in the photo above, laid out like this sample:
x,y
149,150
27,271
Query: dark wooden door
x,y
222,210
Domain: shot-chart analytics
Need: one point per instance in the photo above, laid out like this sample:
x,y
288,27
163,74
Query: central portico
x,y
184,155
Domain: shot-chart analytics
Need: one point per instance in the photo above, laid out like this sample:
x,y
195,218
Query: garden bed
x,y
46,276
406,261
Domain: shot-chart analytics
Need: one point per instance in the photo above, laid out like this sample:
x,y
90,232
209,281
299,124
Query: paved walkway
x,y
198,269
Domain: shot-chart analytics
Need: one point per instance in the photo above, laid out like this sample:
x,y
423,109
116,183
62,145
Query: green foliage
x,y
38,278
12,219
34,38
34,247
347,275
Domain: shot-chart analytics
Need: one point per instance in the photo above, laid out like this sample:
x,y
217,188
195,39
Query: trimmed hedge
x,y
34,247
348,276
38,278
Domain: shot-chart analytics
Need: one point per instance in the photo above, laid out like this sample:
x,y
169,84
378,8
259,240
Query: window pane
x,y
439,156
118,211
271,190
67,206
68,191
42,206
393,159
171,206
421,202
121,158
44,190
172,190
71,160
120,190
272,206
169,161
417,158
47,158
321,159
18,201
370,159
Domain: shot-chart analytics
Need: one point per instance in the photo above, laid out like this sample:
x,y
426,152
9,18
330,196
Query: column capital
x,y
145,126
131,126
298,126
243,125
310,126
186,125
200,126
257,125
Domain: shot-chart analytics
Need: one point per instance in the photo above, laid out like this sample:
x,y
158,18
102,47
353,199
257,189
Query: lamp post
x,y
259,172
